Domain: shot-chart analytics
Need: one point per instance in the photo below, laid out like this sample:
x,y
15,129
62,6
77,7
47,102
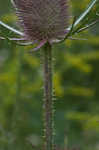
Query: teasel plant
x,y
45,23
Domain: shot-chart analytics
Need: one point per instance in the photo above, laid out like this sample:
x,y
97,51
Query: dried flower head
x,y
43,20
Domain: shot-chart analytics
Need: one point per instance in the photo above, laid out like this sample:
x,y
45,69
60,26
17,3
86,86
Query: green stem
x,y
48,97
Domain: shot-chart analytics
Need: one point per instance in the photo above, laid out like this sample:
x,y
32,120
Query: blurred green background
x,y
76,82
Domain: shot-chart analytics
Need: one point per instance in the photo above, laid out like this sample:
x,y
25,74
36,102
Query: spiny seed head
x,y
43,19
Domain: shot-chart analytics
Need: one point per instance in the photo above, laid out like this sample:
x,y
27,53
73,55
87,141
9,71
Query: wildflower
x,y
43,20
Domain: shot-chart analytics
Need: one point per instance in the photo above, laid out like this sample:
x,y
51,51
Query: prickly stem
x,y
48,97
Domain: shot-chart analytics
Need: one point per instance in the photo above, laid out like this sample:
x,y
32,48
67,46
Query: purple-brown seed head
x,y
43,19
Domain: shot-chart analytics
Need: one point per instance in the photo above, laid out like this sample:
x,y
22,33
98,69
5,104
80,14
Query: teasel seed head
x,y
43,20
